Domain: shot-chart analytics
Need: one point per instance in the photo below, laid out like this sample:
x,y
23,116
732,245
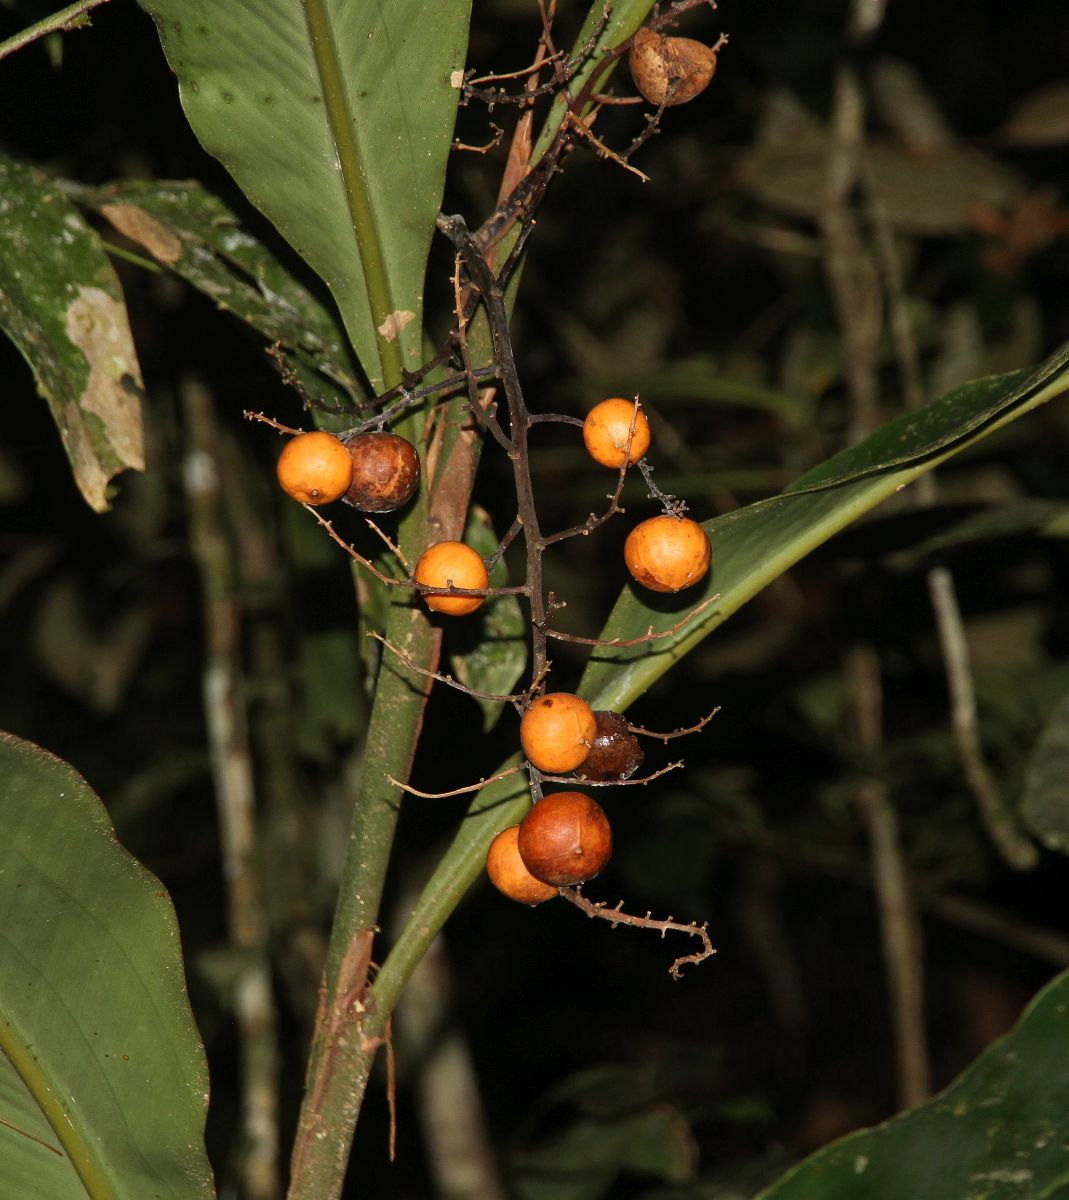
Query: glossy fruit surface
x,y
615,753
509,874
667,554
386,471
314,468
557,732
565,839
607,428
451,564
670,70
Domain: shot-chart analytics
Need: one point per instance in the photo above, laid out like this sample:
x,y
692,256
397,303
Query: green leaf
x,y
103,1083
997,1133
916,435
498,655
189,231
336,120
754,545
1045,805
61,304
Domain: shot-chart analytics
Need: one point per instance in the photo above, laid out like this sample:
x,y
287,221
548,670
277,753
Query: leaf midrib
x,y
365,228
78,1150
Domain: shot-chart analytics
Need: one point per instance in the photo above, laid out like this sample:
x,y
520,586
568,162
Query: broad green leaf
x,y
103,1083
189,231
495,662
61,304
1045,804
336,120
754,545
751,548
997,1133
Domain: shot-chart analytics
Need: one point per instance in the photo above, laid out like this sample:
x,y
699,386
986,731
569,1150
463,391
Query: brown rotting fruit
x,y
670,70
386,471
565,839
615,752
557,732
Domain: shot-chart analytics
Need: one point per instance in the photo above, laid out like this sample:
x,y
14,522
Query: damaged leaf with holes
x,y
61,304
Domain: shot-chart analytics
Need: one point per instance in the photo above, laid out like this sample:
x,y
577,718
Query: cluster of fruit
x,y
565,839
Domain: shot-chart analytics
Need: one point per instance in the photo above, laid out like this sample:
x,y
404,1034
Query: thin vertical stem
x,y
901,930
224,705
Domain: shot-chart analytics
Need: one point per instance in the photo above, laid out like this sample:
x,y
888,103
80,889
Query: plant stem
x,y
224,705
70,17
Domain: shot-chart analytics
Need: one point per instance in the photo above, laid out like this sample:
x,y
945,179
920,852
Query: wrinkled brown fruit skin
x,y
615,753
386,471
565,839
670,70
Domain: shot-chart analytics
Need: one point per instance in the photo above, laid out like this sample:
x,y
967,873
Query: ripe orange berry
x,y
606,430
557,732
667,553
451,564
509,874
385,471
565,839
314,468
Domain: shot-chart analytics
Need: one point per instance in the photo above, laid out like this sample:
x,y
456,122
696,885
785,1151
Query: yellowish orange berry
x,y
315,468
667,553
607,428
557,732
451,564
509,874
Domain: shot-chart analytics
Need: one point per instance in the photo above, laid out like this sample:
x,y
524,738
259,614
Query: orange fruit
x,y
509,874
557,732
667,554
565,839
451,564
314,468
606,430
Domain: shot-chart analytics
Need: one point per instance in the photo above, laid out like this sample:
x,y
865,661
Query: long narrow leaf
x,y
754,545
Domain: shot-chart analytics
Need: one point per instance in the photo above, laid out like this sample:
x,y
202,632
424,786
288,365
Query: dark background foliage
x,y
706,293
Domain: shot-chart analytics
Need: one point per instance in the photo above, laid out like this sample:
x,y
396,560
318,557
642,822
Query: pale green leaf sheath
x,y
335,119
103,1083
61,304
